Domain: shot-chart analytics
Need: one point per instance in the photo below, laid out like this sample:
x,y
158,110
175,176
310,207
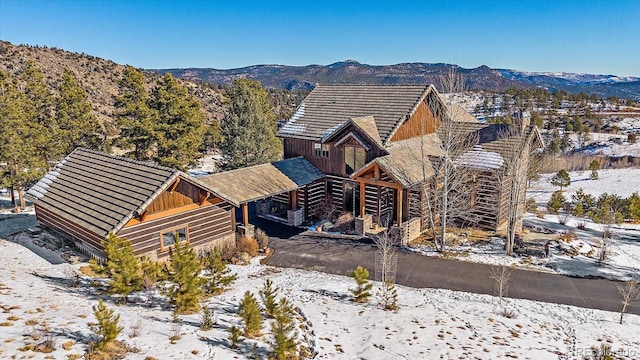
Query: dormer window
x,y
354,159
321,150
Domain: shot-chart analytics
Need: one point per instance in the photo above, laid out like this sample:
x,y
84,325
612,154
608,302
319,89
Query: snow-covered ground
x,y
430,323
624,261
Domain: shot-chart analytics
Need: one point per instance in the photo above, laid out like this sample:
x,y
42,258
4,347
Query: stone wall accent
x,y
295,217
247,231
363,224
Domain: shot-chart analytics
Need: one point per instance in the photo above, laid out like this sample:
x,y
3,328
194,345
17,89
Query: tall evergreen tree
x,y
181,124
77,125
123,268
133,115
39,112
186,284
249,129
20,136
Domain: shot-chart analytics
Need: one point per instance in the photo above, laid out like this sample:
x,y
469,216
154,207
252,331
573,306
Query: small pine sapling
x,y
123,268
284,345
216,272
234,336
186,288
594,166
389,296
107,326
208,318
249,311
268,295
362,292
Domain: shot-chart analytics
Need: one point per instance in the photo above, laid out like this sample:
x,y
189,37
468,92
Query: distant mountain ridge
x,y
353,72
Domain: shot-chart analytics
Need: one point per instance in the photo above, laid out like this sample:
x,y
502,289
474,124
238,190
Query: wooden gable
x,y
413,127
181,196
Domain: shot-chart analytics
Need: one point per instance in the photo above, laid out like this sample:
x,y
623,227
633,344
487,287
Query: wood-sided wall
x,y
87,240
210,224
413,127
334,163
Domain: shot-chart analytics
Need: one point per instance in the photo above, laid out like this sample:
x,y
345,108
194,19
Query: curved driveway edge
x,y
336,256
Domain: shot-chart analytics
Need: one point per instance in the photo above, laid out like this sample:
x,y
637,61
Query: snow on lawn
x,y
430,323
624,261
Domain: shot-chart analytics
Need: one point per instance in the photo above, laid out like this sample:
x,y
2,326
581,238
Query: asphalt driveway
x,y
313,251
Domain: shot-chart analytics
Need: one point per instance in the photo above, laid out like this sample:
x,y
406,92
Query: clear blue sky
x,y
600,37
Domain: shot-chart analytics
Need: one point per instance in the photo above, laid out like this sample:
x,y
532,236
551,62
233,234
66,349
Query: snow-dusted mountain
x,y
603,85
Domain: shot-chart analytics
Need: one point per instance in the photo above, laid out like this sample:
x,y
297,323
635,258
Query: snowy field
x,y
624,262
430,324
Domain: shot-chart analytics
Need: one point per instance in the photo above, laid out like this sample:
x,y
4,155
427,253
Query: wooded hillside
x,y
99,77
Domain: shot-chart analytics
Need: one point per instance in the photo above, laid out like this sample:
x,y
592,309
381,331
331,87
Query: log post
x,y
245,214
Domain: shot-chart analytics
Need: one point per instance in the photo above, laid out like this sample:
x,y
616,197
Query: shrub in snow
x,y
248,245
122,266
630,291
362,292
249,311
262,238
594,166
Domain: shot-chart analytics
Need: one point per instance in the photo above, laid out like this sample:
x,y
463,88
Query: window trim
x,y
173,229
321,150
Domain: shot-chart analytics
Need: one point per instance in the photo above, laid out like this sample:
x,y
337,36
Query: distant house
x,y
91,194
370,150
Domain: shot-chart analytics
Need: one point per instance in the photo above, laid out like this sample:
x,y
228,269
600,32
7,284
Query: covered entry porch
x,y
279,190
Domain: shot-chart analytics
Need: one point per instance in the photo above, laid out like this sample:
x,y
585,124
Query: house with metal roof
x,y
91,194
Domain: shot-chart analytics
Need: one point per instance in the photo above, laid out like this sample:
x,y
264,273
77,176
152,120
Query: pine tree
x,y
107,326
594,166
268,295
133,116
234,336
21,135
217,274
249,311
181,124
208,318
77,125
284,344
186,285
389,296
632,207
362,292
39,112
561,179
556,202
122,266
249,129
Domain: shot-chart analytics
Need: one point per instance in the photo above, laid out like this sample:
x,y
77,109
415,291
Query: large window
x,y
170,238
321,150
354,159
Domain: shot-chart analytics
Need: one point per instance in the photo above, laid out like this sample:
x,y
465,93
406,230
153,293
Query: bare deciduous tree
x,y
514,177
386,256
630,291
502,276
448,196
